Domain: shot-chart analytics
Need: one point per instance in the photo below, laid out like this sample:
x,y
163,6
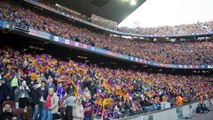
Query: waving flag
x,y
128,90
112,84
78,87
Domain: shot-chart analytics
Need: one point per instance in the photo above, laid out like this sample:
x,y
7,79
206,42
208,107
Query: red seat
x,y
18,111
11,102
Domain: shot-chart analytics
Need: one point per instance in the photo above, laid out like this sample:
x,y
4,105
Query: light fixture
x,y
133,2
125,0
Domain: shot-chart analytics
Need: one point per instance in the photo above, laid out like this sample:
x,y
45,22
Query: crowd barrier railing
x,y
169,114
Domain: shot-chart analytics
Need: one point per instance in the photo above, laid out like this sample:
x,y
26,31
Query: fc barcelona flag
x,y
78,89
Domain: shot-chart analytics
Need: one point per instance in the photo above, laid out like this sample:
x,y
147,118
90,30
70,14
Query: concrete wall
x,y
165,105
167,114
137,117
211,101
187,110
194,106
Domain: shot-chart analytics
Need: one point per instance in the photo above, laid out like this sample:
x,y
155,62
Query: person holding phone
x,y
7,112
78,110
22,95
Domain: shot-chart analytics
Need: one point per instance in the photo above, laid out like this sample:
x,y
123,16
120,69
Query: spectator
x,y
60,91
87,104
14,118
51,105
7,112
27,114
22,95
70,90
78,110
150,88
179,101
34,94
199,110
14,84
202,108
68,104
50,83
152,51
43,93
5,89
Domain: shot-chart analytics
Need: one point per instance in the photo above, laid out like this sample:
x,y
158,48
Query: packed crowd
x,y
93,19
185,29
60,8
99,91
187,53
202,108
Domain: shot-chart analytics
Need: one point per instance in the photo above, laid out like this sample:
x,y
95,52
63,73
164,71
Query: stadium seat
x,y
12,104
18,111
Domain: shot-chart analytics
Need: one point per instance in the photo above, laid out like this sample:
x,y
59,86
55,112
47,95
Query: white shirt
x,y
23,95
25,63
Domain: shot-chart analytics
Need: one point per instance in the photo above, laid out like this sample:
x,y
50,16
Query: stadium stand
x,y
182,54
41,86
147,91
198,28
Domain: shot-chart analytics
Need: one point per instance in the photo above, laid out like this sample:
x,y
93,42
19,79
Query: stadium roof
x,y
116,10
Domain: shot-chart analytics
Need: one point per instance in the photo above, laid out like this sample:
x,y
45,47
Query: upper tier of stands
x,y
185,53
185,29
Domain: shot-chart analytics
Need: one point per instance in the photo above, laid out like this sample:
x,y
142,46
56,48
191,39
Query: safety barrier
x,y
169,114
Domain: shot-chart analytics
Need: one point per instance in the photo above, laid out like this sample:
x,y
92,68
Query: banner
x,y
125,57
2,24
39,34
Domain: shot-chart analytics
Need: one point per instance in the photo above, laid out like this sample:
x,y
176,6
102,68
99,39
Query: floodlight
x,y
133,2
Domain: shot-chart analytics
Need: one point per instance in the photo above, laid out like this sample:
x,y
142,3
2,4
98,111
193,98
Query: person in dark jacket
x,y
92,88
70,90
50,83
43,93
7,112
5,90
34,94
